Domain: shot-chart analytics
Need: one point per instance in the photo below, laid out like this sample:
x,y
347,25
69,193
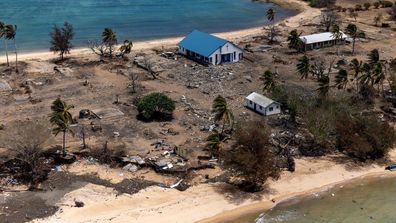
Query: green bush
x,y
367,5
156,106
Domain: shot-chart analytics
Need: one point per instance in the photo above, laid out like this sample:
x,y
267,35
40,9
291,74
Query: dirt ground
x,y
89,83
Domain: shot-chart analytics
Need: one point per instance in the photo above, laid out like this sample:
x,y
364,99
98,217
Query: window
x,y
240,56
234,55
277,106
270,109
210,59
250,102
261,107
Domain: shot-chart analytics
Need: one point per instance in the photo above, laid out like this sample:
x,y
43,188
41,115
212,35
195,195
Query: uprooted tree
x,y
25,141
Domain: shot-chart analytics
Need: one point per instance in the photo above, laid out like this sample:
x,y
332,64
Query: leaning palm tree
x,y
109,37
61,119
294,40
269,81
222,112
214,142
341,79
10,34
378,75
373,57
353,31
366,77
303,67
337,35
2,35
357,67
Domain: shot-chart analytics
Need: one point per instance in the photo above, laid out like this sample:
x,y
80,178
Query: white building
x,y
209,49
321,40
262,104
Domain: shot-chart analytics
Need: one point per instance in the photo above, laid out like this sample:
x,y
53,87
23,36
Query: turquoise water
x,y
131,19
367,201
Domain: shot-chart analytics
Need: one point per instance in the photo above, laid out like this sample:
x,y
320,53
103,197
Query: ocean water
x,y
367,201
131,19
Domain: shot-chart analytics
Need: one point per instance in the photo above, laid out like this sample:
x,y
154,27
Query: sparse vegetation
x,y
61,39
251,158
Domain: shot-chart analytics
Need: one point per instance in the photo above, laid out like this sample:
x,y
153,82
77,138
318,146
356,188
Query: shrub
x,y
156,106
377,5
367,5
251,158
386,4
364,137
358,7
25,140
392,12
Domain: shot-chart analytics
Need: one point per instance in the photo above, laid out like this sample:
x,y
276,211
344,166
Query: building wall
x,y
264,111
228,48
275,109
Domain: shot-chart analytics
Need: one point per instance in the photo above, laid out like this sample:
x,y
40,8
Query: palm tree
x,y
303,67
294,41
355,33
378,75
270,18
324,85
357,67
126,48
2,35
337,35
269,80
270,14
366,77
214,142
61,119
341,79
10,33
109,37
222,112
373,57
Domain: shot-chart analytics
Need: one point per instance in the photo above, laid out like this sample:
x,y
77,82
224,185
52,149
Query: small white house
x,y
262,104
209,49
320,40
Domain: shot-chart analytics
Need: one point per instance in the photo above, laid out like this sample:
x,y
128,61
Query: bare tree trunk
x,y
16,56
353,46
6,47
64,144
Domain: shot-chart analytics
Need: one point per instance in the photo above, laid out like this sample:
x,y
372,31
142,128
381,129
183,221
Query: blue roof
x,y
202,43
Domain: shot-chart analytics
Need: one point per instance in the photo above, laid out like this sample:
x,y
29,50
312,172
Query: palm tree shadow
x,y
236,196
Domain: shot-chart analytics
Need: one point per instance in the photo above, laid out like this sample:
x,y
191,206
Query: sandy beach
x,y
205,203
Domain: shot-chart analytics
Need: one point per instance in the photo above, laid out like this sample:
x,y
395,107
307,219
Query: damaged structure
x,y
209,49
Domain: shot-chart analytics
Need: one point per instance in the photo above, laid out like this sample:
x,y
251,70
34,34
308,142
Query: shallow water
x,y
366,201
131,19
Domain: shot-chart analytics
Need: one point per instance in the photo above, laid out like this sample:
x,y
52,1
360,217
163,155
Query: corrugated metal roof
x,y
320,37
260,99
202,43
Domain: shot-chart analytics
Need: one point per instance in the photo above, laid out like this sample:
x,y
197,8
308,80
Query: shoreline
x,y
302,10
263,206
204,203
